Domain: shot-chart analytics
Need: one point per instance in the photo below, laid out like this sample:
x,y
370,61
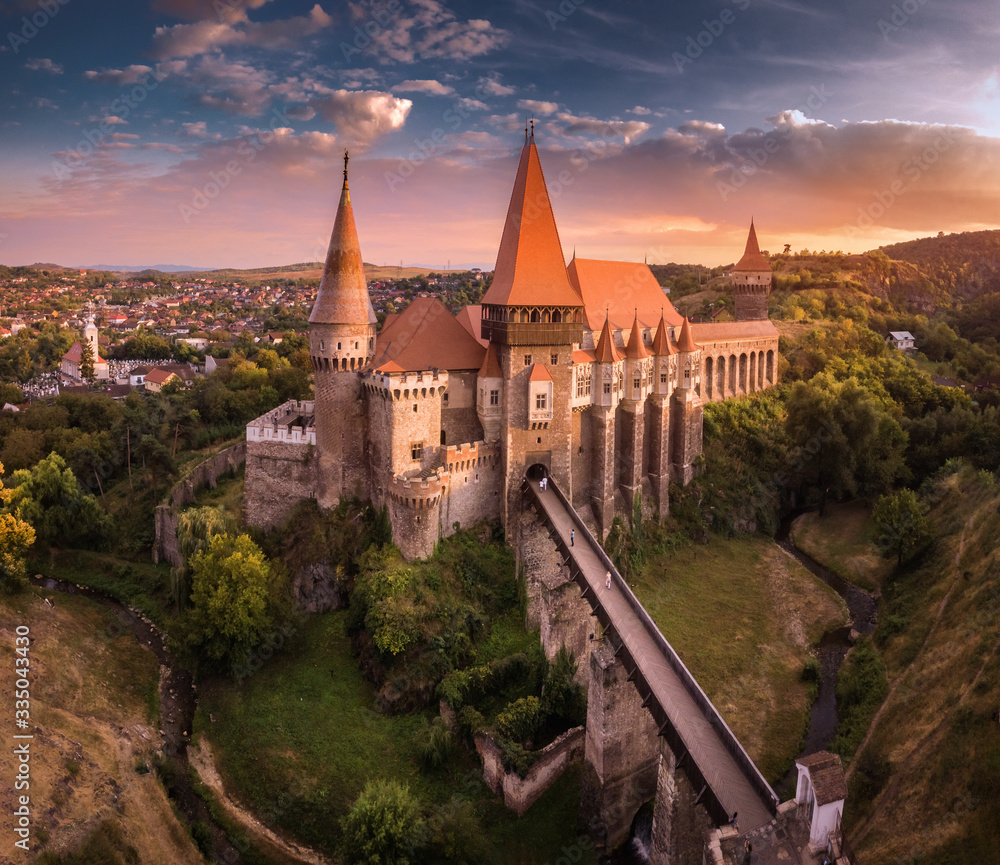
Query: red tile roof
x,y
752,259
620,290
662,345
635,348
827,775
426,336
530,268
491,364
606,351
724,331
539,373
685,341
343,293
471,318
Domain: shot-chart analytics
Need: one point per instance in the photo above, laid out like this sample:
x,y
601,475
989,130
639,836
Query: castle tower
x,y
609,376
688,407
664,379
341,342
638,367
532,316
752,281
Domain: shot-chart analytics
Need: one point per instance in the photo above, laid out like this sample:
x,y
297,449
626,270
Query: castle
x,y
585,372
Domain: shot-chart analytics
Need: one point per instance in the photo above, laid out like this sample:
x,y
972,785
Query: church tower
x,y
532,316
752,281
341,342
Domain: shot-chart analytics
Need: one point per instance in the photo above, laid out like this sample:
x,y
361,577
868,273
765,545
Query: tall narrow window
x,y
417,450
540,401
494,397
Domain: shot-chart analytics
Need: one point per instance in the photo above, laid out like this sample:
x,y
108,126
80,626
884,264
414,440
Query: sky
x,y
211,133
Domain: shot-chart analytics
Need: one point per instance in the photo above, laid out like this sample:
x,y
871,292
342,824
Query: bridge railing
x,y
727,737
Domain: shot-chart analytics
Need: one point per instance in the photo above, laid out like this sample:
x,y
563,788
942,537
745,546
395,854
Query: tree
x,y
231,612
16,536
384,826
87,372
195,529
49,497
901,525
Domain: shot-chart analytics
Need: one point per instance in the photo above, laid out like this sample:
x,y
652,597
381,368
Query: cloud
x,y
189,40
537,107
128,75
473,104
113,120
431,30
491,86
237,88
44,64
424,85
606,129
42,102
198,129
203,10
639,109
361,116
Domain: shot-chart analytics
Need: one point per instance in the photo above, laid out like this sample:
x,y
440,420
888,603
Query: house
x,y
900,339
157,379
821,789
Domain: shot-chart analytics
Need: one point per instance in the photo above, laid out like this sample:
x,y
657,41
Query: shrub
x,y
384,826
521,719
434,745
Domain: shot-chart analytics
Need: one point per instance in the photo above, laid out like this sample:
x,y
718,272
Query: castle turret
x,y
688,407
341,342
532,315
664,378
752,281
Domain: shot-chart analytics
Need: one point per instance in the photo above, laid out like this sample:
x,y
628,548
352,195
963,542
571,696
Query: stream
x,y
178,700
830,653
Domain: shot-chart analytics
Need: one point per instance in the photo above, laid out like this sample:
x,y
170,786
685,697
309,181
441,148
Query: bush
x,y
434,745
384,826
521,719
562,698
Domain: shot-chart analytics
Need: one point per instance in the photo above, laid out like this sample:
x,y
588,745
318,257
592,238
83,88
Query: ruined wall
x,y
182,494
519,794
279,475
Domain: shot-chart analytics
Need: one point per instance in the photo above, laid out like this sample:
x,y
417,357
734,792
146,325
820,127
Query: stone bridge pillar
x,y
555,604
622,753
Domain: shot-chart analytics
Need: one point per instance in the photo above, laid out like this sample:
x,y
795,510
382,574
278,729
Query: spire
x,y
530,268
662,346
752,259
491,364
686,342
635,348
606,350
343,293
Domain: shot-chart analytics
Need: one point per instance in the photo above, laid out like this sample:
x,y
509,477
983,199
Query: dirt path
x,y
203,760
885,796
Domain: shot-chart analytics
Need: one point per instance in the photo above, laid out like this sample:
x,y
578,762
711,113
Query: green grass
x,y
841,541
299,740
742,615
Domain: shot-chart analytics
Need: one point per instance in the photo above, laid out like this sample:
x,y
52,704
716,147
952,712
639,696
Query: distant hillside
x,y
965,264
310,270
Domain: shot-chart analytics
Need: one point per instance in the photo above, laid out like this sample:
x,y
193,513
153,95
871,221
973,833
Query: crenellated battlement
x,y
406,385
418,493
465,457
291,422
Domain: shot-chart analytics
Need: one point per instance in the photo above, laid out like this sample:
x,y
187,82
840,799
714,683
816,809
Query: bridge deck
x,y
718,767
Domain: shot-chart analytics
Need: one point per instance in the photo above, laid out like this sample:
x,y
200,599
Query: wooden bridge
x,y
705,747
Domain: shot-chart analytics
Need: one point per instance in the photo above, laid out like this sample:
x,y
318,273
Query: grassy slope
x,y
317,739
841,540
93,706
931,763
742,615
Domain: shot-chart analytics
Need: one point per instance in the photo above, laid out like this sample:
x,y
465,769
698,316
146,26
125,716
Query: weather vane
x,y
347,157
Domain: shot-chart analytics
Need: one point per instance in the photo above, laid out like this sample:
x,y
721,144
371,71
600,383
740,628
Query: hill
x,y
966,264
924,786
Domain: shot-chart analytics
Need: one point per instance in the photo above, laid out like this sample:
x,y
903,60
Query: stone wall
x,y
182,494
519,794
279,475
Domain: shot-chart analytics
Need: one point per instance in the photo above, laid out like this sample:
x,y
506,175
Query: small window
x,y
687,374
539,440
636,383
443,437
494,397
554,359
540,399
445,398
663,378
607,387
338,346
414,406
417,449
527,360
322,347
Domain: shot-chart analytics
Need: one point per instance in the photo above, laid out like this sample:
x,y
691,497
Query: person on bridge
x,y
572,537
607,580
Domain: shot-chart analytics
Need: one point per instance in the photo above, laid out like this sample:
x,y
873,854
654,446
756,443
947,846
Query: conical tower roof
x,y
686,342
752,259
662,346
491,364
343,293
607,351
530,268
635,348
